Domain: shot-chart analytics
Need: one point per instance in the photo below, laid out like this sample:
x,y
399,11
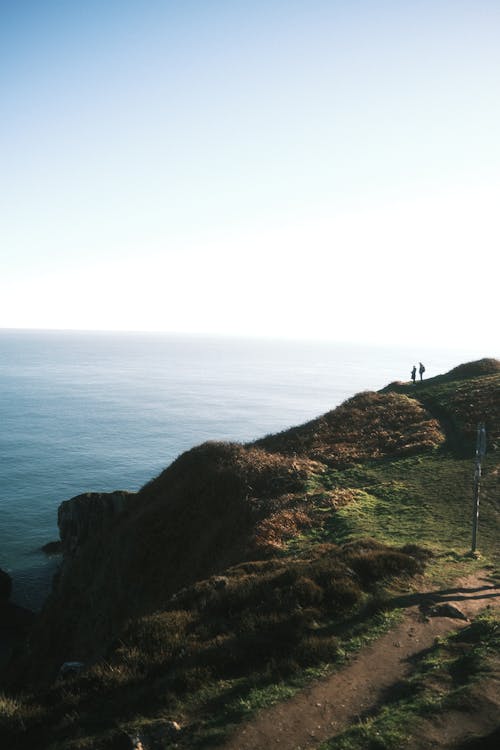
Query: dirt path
x,y
328,706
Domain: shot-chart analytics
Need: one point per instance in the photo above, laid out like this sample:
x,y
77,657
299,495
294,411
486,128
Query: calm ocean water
x,y
96,411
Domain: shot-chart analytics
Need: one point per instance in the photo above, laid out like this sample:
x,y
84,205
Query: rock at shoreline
x,y
52,548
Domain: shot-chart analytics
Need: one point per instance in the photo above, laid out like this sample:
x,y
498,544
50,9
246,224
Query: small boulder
x,y
155,736
447,610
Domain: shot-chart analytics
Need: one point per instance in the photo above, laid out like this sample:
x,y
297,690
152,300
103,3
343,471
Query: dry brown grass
x,y
294,514
272,532
367,426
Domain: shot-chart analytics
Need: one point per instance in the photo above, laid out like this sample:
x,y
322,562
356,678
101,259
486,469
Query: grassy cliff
x,y
243,571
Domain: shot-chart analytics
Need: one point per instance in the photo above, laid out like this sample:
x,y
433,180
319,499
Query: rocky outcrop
x,y
86,515
52,548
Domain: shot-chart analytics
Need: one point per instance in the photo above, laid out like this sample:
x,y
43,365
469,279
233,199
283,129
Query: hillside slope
x,y
243,565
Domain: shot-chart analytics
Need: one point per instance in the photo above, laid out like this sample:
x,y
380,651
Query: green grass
x,y
441,680
425,499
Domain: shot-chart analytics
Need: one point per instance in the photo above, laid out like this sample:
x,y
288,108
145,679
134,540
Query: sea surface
x,y
103,411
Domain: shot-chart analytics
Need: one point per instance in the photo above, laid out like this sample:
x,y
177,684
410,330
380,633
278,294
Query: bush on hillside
x,y
374,562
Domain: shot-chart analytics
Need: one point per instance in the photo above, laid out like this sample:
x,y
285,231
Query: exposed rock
x,y
52,548
155,736
5,586
85,515
447,610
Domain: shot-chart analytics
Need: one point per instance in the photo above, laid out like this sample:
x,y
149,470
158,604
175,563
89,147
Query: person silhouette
x,y
414,374
421,370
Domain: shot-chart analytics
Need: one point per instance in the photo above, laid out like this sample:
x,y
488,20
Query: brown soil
x,y
329,706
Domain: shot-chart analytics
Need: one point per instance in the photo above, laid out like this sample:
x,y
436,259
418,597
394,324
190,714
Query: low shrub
x,y
373,561
314,650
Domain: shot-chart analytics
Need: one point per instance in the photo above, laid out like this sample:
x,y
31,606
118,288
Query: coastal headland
x,y
245,573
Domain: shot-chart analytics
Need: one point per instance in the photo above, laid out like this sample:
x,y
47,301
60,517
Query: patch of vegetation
x,y
224,646
441,679
426,498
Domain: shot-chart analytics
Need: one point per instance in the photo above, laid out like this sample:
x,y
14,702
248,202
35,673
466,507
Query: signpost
x,y
480,452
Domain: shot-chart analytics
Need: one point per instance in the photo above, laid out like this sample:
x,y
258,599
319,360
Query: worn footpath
x,y
328,706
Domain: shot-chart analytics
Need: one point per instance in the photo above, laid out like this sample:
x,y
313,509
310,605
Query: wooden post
x,y
480,452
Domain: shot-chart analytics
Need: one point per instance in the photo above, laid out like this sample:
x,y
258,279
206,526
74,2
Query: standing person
x,y
414,374
421,370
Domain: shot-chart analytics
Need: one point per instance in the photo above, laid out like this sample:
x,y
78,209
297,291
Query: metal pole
x,y
480,452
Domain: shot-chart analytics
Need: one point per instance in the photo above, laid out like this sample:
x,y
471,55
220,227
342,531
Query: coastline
x,y
84,412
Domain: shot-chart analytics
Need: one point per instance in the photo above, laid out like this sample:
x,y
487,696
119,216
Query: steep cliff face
x,y
88,515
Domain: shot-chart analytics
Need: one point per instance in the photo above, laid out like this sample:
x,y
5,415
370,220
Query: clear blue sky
x,y
281,168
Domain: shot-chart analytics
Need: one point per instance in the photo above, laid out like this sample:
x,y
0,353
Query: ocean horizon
x,y
92,411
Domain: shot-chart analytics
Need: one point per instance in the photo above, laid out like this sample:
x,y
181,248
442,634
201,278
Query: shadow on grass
x,y
337,529
431,598
223,713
